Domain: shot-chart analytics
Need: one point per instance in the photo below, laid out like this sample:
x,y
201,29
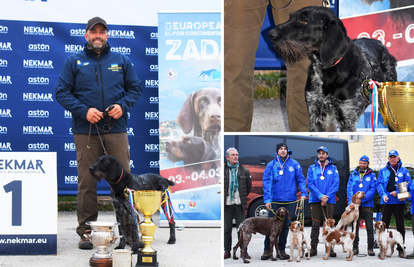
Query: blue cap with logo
x,y
322,148
393,153
364,159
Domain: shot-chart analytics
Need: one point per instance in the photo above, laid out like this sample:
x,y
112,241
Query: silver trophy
x,y
102,236
402,188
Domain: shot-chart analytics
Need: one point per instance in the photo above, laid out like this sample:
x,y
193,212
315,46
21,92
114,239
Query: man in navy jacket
x,y
98,87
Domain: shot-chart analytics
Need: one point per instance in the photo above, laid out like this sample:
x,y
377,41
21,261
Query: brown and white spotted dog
x,y
351,215
387,237
332,237
297,238
271,227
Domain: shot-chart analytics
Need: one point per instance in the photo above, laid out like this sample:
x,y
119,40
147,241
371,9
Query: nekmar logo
x,y
32,30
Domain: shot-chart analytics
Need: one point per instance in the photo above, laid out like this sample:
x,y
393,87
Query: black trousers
x,y
398,211
231,211
365,213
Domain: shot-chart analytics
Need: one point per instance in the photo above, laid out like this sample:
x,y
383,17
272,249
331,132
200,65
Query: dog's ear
x,y
186,115
354,198
334,44
301,227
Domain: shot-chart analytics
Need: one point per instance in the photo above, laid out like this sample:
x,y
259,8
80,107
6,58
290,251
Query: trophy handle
x,y
126,193
366,92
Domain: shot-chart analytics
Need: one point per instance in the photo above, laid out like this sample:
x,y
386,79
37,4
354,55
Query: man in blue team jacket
x,y
363,179
94,81
388,179
323,183
281,178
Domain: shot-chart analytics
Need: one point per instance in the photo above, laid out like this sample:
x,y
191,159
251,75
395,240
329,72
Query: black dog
x,y
339,66
110,169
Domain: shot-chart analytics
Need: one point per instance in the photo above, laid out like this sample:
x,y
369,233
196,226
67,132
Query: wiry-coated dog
x,y
332,237
201,112
271,227
338,65
189,149
351,215
108,168
387,237
298,237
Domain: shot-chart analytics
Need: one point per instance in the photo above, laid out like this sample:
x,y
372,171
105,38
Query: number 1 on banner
x,y
16,188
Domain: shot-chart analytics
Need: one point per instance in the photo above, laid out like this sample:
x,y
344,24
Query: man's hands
x,y
94,115
268,206
324,200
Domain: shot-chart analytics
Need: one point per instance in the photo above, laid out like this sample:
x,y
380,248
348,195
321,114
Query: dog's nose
x,y
272,34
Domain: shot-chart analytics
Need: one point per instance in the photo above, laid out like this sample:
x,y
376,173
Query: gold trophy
x,y
147,202
402,188
395,103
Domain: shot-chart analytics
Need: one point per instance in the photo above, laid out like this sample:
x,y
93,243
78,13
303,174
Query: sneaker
x,y
227,254
356,250
283,255
266,255
332,254
371,252
246,255
85,242
410,256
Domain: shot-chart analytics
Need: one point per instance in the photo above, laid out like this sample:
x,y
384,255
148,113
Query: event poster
x,y
391,22
189,53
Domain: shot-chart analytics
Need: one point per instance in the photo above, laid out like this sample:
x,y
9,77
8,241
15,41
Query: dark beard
x,y
97,49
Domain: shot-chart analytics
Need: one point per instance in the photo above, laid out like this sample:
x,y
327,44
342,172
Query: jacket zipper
x,y
96,77
100,72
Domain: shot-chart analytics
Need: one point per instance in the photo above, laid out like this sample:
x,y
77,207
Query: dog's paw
x,y
171,241
141,244
120,247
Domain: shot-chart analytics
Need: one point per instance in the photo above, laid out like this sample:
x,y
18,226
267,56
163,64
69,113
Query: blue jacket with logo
x,y
382,182
328,186
283,188
369,186
411,190
91,80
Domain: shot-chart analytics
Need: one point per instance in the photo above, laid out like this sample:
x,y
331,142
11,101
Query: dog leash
x,y
110,125
282,203
299,212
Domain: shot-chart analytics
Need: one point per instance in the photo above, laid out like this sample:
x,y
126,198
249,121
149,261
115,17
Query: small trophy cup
x,y
402,188
102,236
147,202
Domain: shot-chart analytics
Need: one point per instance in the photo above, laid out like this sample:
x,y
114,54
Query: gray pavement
x,y
255,250
194,247
269,115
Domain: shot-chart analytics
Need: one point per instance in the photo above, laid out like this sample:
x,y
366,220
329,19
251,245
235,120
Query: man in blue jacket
x,y
98,87
323,183
411,187
281,178
363,179
388,179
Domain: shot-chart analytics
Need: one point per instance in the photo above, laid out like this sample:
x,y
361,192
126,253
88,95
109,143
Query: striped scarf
x,y
234,183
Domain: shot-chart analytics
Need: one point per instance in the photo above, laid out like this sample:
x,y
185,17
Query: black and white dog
x,y
110,169
339,65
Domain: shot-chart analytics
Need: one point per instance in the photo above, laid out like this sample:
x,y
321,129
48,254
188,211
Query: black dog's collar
x,y
120,177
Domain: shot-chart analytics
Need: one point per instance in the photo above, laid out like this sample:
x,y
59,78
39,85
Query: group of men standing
x,y
283,176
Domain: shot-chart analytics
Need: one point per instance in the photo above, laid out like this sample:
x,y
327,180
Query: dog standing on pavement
x,y
298,237
387,237
271,227
339,65
332,237
108,168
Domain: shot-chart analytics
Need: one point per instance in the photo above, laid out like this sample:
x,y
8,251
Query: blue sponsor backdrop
x,y
31,57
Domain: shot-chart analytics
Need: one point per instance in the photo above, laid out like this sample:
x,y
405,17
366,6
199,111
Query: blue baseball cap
x,y
393,153
364,159
323,148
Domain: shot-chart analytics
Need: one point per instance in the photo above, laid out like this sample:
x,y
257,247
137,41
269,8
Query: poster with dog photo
x,y
391,22
189,52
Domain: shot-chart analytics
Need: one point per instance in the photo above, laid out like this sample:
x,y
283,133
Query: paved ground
x,y
270,116
255,250
194,247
